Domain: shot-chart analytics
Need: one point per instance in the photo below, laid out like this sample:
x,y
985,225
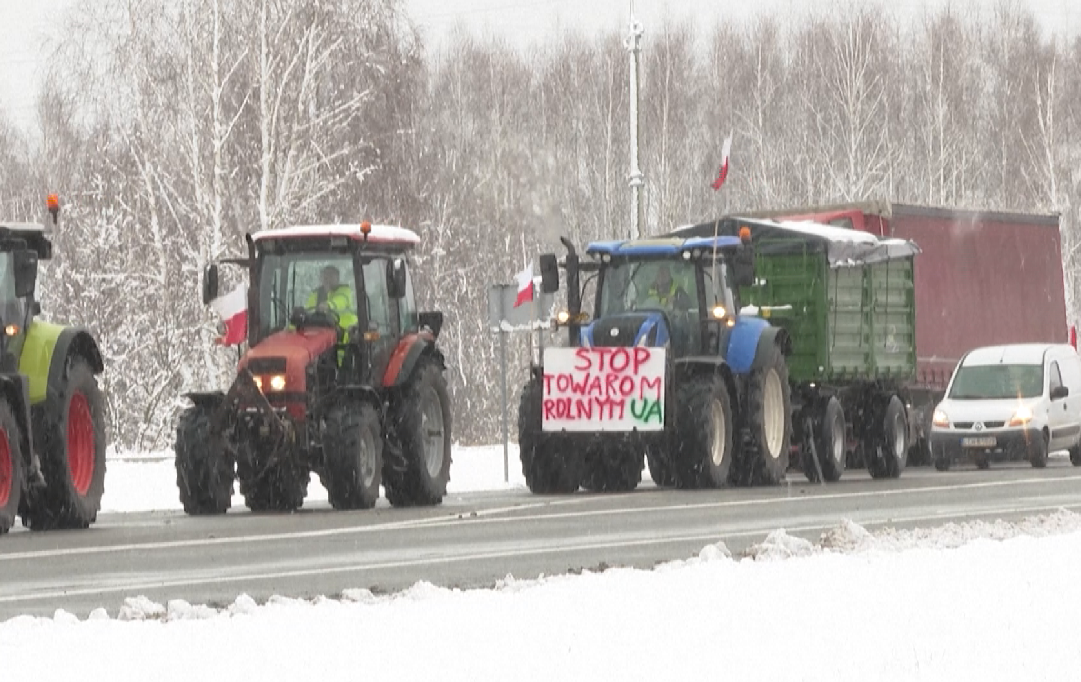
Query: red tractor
x,y
342,377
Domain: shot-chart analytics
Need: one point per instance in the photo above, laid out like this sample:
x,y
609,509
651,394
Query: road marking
x,y
483,517
481,556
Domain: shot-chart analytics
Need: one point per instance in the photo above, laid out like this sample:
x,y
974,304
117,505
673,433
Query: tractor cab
x,y
672,292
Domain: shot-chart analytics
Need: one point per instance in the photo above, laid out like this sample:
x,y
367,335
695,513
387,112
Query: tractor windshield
x,y
309,280
667,285
11,308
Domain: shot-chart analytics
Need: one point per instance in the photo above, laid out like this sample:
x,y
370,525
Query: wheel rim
x,y
773,406
7,469
432,426
80,443
898,437
838,441
720,426
367,460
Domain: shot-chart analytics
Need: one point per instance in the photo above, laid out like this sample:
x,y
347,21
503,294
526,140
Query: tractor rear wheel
x,y
72,451
353,447
766,422
422,420
204,473
11,468
703,449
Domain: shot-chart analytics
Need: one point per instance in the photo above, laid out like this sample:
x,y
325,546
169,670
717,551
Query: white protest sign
x,y
603,389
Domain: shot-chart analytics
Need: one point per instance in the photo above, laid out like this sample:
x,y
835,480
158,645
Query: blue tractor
x,y
666,332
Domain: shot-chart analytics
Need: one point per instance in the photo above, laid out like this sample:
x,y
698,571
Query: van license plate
x,y
978,442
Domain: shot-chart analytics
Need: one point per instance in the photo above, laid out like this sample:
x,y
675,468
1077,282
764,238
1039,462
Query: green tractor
x,y
52,412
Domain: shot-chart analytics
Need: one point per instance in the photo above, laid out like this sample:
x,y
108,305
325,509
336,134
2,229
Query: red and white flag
x,y
525,286
723,173
232,308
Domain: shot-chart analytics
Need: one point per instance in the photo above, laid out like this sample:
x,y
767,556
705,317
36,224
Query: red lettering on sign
x,y
650,384
626,386
621,357
641,357
550,409
583,356
583,408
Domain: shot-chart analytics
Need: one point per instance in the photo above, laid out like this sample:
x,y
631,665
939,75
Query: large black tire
x,y
891,435
11,468
1038,454
422,420
71,444
830,443
547,471
660,468
612,468
1075,455
766,422
703,448
281,487
204,473
353,448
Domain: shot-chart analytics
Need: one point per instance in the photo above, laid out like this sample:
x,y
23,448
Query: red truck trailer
x,y
982,278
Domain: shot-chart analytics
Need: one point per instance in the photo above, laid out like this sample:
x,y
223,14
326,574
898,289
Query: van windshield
x,y
997,382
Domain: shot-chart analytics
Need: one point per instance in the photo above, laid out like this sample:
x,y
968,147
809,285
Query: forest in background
x,y
170,128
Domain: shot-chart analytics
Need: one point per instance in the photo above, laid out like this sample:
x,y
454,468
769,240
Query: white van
x,y
1011,402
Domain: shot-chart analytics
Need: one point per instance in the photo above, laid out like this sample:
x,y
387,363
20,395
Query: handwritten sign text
x,y
603,389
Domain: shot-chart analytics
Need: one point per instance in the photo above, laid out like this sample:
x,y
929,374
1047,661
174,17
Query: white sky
x,y
25,25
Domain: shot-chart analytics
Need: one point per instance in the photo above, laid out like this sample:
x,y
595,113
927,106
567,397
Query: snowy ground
x,y
974,601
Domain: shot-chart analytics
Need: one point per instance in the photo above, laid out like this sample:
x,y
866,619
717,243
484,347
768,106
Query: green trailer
x,y
847,300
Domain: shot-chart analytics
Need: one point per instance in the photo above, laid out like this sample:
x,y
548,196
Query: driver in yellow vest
x,y
334,296
666,292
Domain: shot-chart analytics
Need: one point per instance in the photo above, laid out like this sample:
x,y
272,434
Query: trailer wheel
x,y
72,447
422,420
892,437
353,448
204,474
1038,454
830,443
612,467
767,418
1075,455
11,468
704,446
547,471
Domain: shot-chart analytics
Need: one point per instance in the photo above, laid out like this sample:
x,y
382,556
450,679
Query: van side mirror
x,y
1059,392
210,283
549,268
25,266
396,278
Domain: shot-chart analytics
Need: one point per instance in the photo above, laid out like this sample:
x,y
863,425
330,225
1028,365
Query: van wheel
x,y
982,461
1038,455
1075,455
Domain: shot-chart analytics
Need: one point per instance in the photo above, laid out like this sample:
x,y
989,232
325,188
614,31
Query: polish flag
x,y
525,286
232,308
723,173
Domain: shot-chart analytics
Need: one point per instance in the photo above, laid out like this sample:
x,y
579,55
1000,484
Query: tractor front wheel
x,y
11,468
72,450
703,448
204,473
548,469
353,447
422,420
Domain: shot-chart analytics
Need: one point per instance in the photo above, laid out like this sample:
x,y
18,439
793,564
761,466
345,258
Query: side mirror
x,y
210,283
25,264
433,320
743,268
396,278
1059,392
549,268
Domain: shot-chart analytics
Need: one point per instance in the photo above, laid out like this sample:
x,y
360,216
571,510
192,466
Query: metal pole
x,y
506,434
637,179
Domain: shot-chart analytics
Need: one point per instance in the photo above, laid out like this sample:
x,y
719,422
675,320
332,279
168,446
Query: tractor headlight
x,y
277,382
563,317
719,312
